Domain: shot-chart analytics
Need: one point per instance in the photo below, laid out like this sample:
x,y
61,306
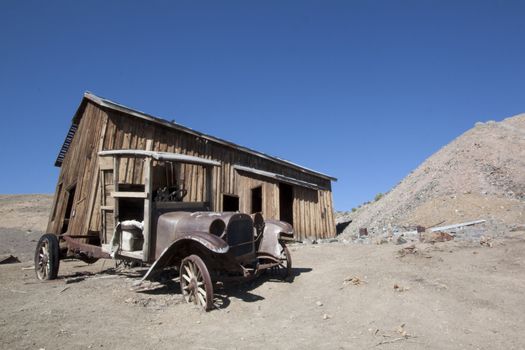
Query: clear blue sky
x,y
360,90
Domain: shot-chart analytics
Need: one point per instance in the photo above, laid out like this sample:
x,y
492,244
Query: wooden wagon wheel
x,y
47,257
284,269
195,282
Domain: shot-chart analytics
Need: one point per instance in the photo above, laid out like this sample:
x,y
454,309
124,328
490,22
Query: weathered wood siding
x,y
79,169
108,129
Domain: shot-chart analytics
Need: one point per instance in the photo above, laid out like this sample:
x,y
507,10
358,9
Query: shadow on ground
x,y
168,282
244,290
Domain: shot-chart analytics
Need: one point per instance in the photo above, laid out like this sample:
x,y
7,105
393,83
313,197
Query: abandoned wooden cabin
x,y
246,180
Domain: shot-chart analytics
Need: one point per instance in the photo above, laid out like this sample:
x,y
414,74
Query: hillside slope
x,y
23,219
479,175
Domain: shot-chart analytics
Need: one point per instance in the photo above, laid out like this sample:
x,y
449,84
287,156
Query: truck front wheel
x,y
195,282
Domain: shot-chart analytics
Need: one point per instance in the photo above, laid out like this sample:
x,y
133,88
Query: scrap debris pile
x,y
471,189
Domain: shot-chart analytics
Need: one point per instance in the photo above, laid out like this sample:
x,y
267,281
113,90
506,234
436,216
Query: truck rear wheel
x,y
47,257
195,282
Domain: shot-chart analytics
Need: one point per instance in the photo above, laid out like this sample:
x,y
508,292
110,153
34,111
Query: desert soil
x,y
450,295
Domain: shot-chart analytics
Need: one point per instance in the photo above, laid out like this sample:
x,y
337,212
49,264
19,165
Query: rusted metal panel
x,y
89,250
273,231
278,177
175,225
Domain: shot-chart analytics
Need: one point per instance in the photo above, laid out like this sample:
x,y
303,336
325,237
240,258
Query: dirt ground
x,y
448,295
451,295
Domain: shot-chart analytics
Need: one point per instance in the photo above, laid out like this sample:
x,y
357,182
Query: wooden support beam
x,y
463,224
120,194
116,168
146,232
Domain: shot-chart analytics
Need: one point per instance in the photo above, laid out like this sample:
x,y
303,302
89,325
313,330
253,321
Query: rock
x,y
8,259
411,249
486,241
433,237
401,240
399,288
353,280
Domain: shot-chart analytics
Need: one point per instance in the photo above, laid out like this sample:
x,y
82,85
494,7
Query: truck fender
x,y
274,231
183,246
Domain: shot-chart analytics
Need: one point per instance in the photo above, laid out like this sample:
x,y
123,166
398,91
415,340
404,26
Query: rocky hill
x,y
23,219
479,175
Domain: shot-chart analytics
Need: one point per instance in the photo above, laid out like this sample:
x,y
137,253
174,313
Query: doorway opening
x,y
256,200
286,203
69,208
230,203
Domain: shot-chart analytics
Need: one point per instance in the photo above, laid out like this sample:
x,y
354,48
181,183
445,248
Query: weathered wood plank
x,y
119,194
148,235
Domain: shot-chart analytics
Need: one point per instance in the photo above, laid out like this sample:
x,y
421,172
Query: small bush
x,y
378,196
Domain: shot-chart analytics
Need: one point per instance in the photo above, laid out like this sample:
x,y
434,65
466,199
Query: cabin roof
x,y
105,103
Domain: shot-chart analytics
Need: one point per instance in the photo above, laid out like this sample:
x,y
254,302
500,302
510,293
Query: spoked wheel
x,y
47,257
195,282
284,269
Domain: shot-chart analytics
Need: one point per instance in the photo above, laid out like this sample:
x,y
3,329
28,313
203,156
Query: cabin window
x,y
131,208
57,198
256,200
230,203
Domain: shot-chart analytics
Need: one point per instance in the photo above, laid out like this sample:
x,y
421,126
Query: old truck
x,y
151,224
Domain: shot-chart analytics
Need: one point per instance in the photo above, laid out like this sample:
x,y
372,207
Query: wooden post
x,y
116,168
146,248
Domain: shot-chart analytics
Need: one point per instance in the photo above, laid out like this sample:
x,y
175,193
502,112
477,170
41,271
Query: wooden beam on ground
x,y
463,224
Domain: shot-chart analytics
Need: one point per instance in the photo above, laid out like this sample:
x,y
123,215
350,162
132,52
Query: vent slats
x,y
65,146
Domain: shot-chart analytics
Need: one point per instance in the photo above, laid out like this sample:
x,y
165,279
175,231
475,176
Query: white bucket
x,y
132,239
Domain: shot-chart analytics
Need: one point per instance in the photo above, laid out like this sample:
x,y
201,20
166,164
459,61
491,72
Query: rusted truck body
x,y
154,226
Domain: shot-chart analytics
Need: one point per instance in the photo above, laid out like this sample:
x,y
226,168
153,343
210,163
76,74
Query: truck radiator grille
x,y
240,237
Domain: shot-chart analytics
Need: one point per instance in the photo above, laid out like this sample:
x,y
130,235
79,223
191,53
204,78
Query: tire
x,y
195,282
285,255
47,257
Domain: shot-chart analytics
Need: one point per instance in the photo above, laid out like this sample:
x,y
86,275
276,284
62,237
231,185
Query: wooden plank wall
x,y
270,195
313,211
79,167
